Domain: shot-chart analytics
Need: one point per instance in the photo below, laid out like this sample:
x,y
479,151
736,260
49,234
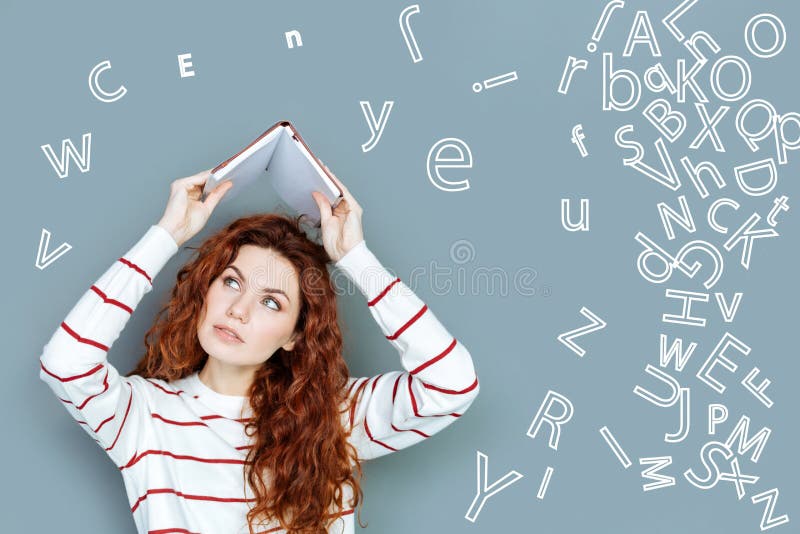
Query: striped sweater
x,y
180,446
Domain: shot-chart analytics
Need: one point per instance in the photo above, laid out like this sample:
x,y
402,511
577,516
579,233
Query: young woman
x,y
242,417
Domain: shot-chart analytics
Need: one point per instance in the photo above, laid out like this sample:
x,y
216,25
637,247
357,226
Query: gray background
x,y
246,78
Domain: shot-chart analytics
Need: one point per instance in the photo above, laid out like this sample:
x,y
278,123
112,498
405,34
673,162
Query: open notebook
x,y
282,157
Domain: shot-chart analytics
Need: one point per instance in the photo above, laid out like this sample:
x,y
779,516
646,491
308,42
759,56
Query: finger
x,y
216,195
199,178
342,210
323,205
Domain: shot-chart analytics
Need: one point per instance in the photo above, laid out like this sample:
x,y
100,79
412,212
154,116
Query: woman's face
x,y
258,296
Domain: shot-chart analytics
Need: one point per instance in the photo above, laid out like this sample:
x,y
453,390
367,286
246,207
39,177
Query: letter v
x,y
669,177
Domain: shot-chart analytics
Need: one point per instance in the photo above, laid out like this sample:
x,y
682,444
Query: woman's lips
x,y
225,336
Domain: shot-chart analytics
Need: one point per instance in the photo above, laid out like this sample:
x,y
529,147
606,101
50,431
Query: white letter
x,y
676,349
666,114
572,65
742,170
740,432
744,69
583,223
184,64
658,463
668,215
674,15
462,160
68,151
749,137
767,521
293,37
750,35
718,355
555,422
609,77
485,491
375,125
714,419
642,21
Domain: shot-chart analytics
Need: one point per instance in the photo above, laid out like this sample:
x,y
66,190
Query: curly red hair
x,y
297,397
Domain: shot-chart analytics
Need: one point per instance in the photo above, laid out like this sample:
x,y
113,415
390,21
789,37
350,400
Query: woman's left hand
x,y
341,227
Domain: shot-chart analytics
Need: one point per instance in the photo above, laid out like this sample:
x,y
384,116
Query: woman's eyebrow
x,y
265,290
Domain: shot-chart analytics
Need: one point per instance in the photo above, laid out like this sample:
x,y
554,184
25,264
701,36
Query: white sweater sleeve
x,y
111,408
398,409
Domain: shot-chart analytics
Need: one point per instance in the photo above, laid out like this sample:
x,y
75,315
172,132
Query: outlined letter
x,y
97,91
68,151
555,421
485,491
375,126
436,161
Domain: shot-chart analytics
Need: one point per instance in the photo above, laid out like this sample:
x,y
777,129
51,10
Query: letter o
x,y
750,35
744,68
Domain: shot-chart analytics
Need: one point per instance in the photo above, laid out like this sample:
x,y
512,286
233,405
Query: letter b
x,y
610,77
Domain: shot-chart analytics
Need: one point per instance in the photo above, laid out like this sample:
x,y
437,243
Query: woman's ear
x,y
289,345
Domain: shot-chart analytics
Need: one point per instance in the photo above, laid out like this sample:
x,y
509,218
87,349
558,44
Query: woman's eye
x,y
273,300
225,281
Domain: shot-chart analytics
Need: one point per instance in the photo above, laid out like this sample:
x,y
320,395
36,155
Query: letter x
x,y
738,478
709,127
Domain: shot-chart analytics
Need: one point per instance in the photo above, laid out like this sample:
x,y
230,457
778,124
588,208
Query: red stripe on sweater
x,y
96,430
111,301
217,416
124,419
170,530
91,342
165,390
414,405
394,394
68,378
178,423
374,301
105,388
137,269
355,403
436,358
376,381
414,401
67,401
350,389
139,456
409,323
186,496
366,427
453,391
396,382
423,434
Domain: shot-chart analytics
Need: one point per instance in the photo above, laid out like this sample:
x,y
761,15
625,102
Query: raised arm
x,y
109,407
113,408
397,409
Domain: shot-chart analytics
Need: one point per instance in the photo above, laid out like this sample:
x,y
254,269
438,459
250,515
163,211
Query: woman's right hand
x,y
185,214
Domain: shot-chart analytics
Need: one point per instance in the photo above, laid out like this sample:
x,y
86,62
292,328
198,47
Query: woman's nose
x,y
237,310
